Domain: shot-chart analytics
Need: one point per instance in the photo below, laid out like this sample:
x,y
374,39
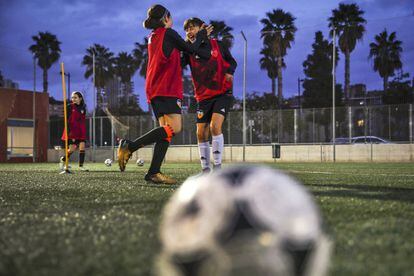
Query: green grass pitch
x,y
106,223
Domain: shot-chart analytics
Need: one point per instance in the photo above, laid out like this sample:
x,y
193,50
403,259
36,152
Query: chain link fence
x,y
393,123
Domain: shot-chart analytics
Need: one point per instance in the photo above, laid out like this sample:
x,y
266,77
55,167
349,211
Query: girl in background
x,y
76,129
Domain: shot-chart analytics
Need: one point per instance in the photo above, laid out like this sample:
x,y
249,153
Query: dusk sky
x,y
118,25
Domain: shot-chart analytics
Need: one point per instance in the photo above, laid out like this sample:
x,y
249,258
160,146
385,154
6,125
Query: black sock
x,y
150,137
81,157
64,156
160,149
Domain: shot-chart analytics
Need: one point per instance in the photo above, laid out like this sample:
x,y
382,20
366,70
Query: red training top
x,y
163,73
208,77
76,122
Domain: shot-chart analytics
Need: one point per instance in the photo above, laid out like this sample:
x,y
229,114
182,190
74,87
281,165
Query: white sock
x,y
217,145
204,150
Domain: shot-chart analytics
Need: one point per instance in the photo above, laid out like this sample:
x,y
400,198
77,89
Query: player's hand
x,y
187,38
208,28
228,77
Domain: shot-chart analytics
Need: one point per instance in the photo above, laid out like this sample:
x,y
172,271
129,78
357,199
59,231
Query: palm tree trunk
x,y
385,83
274,86
279,81
45,84
347,74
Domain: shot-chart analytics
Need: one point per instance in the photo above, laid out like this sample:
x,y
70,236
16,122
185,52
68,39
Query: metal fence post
x,y
228,128
313,125
389,123
295,126
183,129
279,121
410,122
112,138
101,132
350,123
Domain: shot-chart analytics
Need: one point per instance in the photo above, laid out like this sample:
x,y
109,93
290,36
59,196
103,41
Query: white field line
x,y
366,174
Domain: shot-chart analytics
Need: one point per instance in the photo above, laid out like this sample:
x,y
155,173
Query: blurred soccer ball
x,y
108,162
140,162
243,220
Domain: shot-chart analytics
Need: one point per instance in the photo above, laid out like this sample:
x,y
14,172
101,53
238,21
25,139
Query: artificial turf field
x,y
106,223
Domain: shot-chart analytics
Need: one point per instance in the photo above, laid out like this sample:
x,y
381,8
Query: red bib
x,y
208,77
164,75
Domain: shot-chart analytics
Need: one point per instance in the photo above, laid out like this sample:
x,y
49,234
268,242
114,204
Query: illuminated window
x,y
360,123
19,138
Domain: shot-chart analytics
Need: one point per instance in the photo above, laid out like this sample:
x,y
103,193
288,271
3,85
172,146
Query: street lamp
x,y
244,94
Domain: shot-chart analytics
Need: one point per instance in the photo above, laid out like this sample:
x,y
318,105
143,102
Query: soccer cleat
x,y
206,170
123,154
216,167
160,178
62,166
82,168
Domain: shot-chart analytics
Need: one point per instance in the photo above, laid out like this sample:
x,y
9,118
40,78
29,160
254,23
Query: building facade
x,y
21,137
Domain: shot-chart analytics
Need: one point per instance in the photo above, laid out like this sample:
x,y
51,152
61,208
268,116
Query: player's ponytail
x,y
155,17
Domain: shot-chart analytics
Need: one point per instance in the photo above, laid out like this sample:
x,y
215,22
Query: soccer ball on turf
x,y
245,219
140,162
108,162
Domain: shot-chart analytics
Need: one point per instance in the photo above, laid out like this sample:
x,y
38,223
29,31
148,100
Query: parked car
x,y
342,140
369,140
360,140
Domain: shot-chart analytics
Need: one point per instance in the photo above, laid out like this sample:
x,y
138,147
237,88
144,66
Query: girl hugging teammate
x,y
212,75
164,90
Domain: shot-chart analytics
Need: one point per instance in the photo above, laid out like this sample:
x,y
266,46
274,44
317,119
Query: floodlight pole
x,y
244,94
34,109
94,107
333,94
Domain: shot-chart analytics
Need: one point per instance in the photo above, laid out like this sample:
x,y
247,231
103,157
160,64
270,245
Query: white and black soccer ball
x,y
140,162
243,220
108,162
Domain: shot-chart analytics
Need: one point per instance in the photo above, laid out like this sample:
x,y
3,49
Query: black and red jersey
x,y
209,75
163,73
76,122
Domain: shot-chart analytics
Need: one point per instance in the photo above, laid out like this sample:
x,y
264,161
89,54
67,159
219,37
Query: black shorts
x,y
75,142
165,105
219,104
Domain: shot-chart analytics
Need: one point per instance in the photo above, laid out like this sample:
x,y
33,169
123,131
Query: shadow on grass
x,y
365,192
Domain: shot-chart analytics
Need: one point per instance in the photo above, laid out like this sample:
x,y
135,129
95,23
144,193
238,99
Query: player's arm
x,y
227,56
185,59
175,41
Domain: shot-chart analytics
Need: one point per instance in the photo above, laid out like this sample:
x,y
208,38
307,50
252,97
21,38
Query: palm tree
x,y
104,71
386,53
125,68
268,62
349,24
222,32
47,51
278,33
140,54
